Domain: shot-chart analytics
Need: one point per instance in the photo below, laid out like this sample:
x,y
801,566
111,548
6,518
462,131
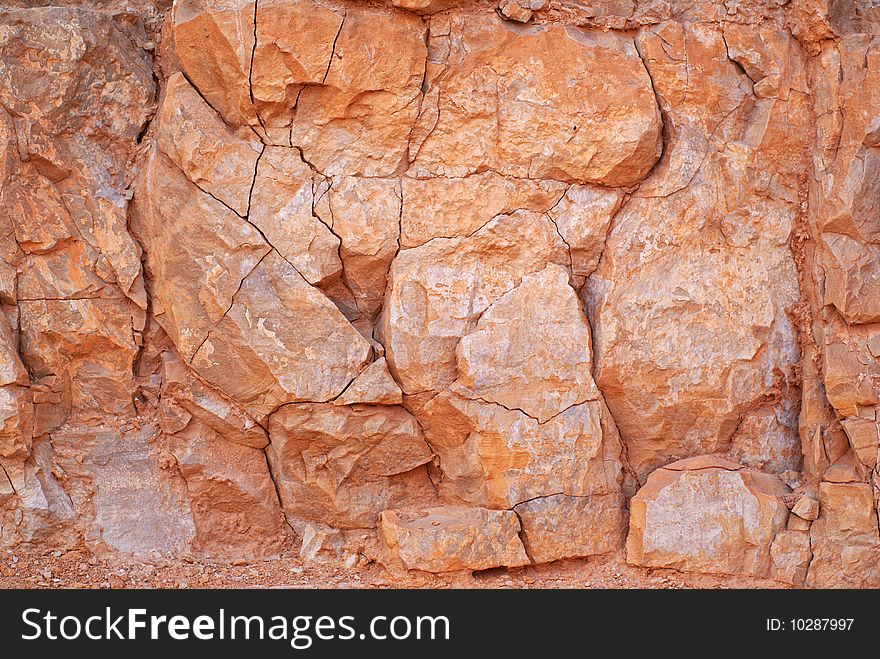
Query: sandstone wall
x,y
444,284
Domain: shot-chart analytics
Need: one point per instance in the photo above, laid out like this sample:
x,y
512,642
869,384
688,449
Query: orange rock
x,y
561,526
706,515
87,344
16,401
237,311
691,335
853,273
214,44
863,437
497,458
497,85
791,557
58,64
216,158
342,466
520,10
358,120
844,539
538,363
235,508
43,223
467,203
374,385
462,271
767,442
850,367
437,292
365,215
449,538
295,41
184,396
582,218
842,471
16,421
807,507
796,523
280,341
77,93
283,203
198,252
97,466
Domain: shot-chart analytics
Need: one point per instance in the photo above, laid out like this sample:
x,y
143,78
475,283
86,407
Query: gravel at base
x,y
80,569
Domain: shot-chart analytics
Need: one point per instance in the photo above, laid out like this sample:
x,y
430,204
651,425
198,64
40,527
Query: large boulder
x,y
706,514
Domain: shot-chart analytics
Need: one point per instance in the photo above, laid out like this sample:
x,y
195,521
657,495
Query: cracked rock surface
x,y
444,285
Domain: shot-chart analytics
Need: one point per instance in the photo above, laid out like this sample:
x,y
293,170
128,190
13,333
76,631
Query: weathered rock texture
x,y
449,285
706,514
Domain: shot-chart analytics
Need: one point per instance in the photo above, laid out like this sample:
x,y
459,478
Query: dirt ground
x,y
78,569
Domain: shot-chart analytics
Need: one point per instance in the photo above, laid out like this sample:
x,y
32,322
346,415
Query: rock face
x,y
561,526
690,309
219,160
443,284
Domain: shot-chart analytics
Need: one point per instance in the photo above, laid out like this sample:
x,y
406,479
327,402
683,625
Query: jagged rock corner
x,y
444,284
